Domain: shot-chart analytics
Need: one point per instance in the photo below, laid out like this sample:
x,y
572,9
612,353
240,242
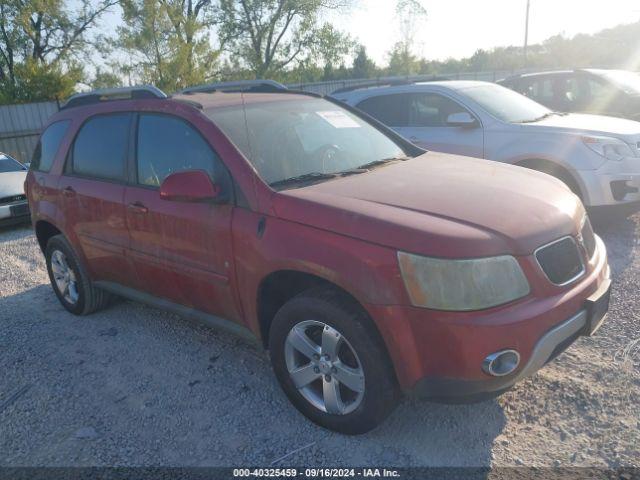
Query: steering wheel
x,y
330,156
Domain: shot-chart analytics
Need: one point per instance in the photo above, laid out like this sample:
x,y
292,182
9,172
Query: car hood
x,y
592,124
440,205
12,183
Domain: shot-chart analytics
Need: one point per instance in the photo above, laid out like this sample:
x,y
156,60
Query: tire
x,y
370,393
81,297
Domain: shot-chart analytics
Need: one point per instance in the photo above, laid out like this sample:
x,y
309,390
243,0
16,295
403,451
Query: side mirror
x,y
191,186
462,119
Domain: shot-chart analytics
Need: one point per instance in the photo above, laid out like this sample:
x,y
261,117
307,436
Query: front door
x,y
181,251
427,126
92,187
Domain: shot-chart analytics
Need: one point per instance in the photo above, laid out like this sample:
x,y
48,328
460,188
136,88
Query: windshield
x,y
302,136
628,81
8,164
505,104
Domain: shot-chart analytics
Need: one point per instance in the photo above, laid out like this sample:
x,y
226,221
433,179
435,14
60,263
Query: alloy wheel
x,y
324,367
64,277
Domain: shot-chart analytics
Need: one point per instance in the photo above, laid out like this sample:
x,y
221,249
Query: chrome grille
x,y
12,199
561,261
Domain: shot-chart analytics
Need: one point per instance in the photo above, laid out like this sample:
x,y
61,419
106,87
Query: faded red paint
x,y
347,231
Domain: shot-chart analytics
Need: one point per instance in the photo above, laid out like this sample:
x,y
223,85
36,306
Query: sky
x,y
457,28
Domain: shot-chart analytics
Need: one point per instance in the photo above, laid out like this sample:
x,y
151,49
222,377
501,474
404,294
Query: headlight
x,y
608,147
472,284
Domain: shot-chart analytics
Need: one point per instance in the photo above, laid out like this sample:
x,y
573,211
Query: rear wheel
x,y
70,280
330,363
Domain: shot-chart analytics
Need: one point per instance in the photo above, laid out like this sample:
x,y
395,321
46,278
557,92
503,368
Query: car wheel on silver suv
x,y
70,280
331,364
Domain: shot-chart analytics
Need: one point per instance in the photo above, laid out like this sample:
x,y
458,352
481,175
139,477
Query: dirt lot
x,y
136,386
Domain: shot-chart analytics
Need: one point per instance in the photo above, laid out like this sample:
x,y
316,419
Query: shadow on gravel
x,y
422,433
619,236
12,232
132,385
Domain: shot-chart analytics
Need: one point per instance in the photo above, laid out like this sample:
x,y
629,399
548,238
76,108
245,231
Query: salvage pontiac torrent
x,y
367,267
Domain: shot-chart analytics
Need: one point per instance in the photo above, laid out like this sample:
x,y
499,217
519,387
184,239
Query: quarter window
x,y
100,149
167,145
48,146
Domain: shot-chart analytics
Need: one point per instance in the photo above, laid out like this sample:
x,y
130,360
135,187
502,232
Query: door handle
x,y
68,191
137,207
413,138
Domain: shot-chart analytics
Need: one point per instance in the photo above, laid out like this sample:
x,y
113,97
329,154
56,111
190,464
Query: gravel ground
x,y
136,386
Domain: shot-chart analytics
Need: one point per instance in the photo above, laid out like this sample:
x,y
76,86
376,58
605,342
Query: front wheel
x,y
329,362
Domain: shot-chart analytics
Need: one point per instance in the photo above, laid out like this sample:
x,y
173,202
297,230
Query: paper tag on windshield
x,y
338,119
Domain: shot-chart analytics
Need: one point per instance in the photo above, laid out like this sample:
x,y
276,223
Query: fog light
x,y
501,363
620,189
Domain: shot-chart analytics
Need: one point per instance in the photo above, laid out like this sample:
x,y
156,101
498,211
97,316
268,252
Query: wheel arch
x,y
44,230
555,170
279,286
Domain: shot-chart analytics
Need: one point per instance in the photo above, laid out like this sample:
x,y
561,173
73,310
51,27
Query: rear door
x,y
92,187
181,251
427,126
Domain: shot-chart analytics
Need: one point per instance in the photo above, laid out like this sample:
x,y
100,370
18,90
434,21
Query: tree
x,y
402,59
271,35
103,79
34,81
167,42
43,38
363,66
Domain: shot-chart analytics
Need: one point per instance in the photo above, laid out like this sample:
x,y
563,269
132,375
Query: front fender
x,y
368,272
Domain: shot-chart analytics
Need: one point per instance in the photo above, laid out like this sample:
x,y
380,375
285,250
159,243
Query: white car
x,y
597,157
13,202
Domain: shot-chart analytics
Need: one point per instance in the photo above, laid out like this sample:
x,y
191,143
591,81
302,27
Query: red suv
x,y
367,267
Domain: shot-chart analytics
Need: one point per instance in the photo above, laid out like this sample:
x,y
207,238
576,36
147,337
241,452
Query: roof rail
x,y
389,83
107,94
239,86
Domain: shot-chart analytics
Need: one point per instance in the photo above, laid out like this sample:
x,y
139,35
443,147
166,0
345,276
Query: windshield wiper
x,y
382,161
307,177
546,115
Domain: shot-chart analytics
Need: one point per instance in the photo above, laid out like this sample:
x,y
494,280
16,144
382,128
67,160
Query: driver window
x,y
167,145
431,110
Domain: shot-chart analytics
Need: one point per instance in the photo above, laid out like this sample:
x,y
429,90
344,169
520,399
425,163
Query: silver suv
x,y
597,157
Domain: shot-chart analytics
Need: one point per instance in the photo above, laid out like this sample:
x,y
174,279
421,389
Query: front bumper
x,y
548,347
440,354
609,186
14,213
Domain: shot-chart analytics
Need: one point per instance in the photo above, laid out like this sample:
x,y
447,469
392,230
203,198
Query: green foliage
x,y
40,45
167,42
35,82
269,36
402,61
105,80
363,66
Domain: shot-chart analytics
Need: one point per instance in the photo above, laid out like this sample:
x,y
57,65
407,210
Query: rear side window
x,y
392,110
167,145
100,149
48,146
